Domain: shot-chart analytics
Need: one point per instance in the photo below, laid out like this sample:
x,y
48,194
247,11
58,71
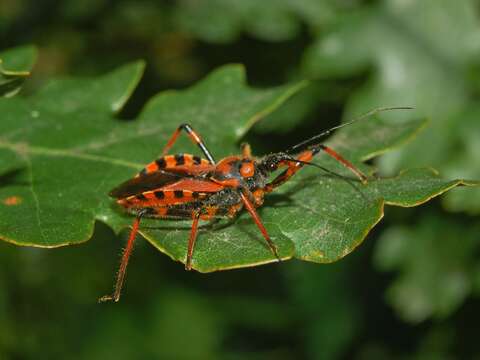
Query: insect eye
x,y
247,169
273,166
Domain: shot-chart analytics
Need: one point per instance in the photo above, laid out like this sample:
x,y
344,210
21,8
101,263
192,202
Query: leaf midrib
x,y
24,150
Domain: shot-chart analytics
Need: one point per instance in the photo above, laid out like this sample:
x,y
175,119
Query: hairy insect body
x,y
222,200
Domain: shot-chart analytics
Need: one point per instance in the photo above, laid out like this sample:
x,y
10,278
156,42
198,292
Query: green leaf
x,y
327,219
67,151
15,66
45,203
435,259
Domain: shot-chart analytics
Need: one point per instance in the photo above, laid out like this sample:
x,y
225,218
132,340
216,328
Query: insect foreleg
x,y
293,167
343,161
305,157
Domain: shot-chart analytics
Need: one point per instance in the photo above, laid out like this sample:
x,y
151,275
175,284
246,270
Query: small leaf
x,y
15,66
416,186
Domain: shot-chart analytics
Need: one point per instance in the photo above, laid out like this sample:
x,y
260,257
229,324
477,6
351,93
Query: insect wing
x,y
140,184
183,191
200,185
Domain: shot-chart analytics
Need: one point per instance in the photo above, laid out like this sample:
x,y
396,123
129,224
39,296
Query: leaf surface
x,y
66,150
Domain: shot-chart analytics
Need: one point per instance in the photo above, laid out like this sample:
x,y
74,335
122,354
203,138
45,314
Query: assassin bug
x,y
185,186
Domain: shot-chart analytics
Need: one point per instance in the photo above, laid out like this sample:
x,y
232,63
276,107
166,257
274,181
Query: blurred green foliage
x,y
419,53
362,54
436,287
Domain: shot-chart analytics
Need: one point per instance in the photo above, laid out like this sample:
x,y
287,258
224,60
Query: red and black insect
x,y
185,186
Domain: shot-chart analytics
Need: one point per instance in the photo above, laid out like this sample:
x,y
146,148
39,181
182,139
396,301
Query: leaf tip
x,y
135,70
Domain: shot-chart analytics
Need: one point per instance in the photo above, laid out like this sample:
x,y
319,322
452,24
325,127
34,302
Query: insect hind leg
x,y
124,262
193,136
191,241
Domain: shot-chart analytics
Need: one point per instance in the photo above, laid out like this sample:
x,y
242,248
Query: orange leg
x,y
306,156
123,265
344,161
251,209
195,138
191,241
293,167
246,150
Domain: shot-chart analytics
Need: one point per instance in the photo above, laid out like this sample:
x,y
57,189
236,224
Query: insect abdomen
x,y
158,198
175,161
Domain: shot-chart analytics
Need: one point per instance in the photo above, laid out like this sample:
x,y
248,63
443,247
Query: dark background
x,y
409,292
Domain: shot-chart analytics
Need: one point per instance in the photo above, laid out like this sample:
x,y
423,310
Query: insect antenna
x,y
330,172
361,117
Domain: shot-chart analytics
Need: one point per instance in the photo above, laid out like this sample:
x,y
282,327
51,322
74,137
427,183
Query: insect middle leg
x,y
251,209
193,136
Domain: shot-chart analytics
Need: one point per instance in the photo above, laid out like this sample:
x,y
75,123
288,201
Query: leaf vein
x,y
35,200
25,150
